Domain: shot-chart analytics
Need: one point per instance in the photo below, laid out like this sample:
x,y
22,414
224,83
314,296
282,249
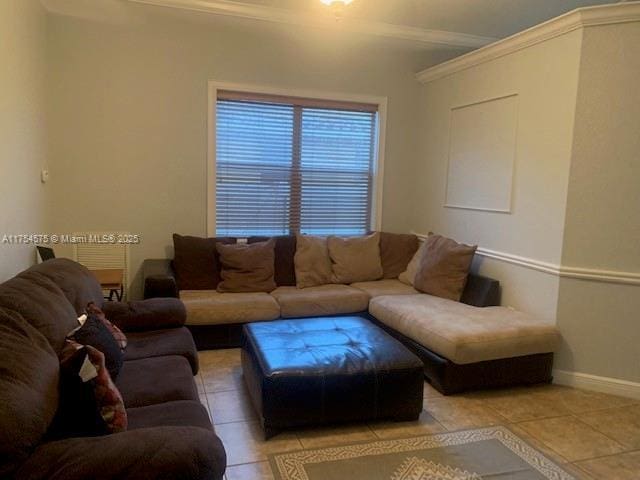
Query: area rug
x,y
485,453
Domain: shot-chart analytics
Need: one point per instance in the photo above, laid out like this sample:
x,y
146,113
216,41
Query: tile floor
x,y
595,436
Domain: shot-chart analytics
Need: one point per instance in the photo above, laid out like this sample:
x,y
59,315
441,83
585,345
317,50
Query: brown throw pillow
x,y
285,270
444,267
312,261
396,251
247,267
355,259
196,261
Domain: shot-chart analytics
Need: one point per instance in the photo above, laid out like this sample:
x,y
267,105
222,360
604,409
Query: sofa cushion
x,y
42,303
390,286
209,307
320,301
355,259
149,314
247,267
167,453
148,381
285,270
196,262
160,343
29,375
396,251
462,333
181,413
312,261
77,283
444,267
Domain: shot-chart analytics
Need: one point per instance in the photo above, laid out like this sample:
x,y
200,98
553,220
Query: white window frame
x,y
379,147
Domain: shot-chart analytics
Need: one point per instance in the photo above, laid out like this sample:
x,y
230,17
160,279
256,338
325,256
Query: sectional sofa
x,y
464,345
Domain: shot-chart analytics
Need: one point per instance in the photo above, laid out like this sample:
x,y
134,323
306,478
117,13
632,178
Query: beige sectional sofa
x,y
467,344
459,332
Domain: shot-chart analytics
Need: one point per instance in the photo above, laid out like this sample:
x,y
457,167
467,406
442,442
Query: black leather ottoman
x,y
314,371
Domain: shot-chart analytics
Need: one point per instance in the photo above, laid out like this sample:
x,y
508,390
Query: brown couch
x,y
169,434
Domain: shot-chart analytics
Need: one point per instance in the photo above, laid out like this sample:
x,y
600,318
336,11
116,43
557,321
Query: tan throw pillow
x,y
311,261
409,275
444,267
247,267
355,259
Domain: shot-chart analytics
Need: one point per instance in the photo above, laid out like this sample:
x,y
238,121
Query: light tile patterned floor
x,y
596,436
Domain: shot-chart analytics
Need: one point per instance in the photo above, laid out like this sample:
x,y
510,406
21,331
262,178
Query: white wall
x,y
23,142
129,103
600,321
545,79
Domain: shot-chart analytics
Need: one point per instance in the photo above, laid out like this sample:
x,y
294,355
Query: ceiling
x,y
490,18
430,25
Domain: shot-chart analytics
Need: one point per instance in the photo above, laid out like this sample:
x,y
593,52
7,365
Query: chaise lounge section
x,y
465,347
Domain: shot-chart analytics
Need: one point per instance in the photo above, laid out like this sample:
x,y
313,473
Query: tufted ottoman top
x,y
326,346
312,371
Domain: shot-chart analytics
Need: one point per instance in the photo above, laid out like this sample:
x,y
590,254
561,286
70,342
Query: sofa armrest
x,y
148,453
159,278
481,291
150,314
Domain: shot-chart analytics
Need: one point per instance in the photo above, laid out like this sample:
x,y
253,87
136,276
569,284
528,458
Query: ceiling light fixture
x,y
337,6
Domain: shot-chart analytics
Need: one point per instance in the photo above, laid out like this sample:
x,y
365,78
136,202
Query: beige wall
x,y
576,190
22,128
129,103
600,321
545,78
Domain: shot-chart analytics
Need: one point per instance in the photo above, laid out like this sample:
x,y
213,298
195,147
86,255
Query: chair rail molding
x,y
580,273
579,18
416,35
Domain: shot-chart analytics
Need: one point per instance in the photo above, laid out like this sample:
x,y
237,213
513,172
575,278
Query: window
x,y
287,164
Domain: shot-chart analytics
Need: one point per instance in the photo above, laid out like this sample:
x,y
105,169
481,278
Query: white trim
x,y
211,158
478,209
612,386
378,167
579,18
580,273
416,35
526,262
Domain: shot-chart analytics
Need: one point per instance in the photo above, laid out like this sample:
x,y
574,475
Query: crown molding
x,y
416,35
582,17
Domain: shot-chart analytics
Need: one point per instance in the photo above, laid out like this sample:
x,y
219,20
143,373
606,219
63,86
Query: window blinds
x,y
287,165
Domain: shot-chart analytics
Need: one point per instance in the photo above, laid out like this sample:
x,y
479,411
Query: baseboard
x,y
613,386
